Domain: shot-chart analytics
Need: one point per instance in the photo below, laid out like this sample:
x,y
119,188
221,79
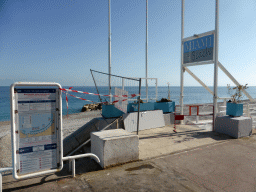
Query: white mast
x,y
109,49
147,49
181,66
216,60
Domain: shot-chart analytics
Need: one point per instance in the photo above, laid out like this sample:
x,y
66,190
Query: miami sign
x,y
198,48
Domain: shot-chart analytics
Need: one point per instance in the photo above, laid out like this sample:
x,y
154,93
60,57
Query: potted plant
x,y
166,105
234,107
110,111
132,107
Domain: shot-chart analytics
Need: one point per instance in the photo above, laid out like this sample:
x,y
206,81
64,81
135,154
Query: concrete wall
x,y
148,120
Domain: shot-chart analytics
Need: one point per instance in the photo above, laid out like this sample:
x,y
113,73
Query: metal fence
x,y
118,90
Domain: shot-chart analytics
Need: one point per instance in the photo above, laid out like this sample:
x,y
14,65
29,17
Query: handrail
x,y
3,170
73,158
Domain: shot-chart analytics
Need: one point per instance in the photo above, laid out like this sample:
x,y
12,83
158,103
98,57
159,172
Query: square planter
x,y
166,107
109,111
234,109
132,107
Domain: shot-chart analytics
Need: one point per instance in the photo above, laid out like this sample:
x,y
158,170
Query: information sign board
x,y
36,135
198,48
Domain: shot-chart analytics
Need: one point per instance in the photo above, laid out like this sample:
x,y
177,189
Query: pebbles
x,y
70,124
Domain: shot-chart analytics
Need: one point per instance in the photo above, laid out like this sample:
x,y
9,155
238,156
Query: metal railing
x,y
73,158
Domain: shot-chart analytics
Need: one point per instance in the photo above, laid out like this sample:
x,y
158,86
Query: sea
x,y
192,95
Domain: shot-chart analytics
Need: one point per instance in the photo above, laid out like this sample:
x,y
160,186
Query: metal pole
x,y
109,49
138,119
96,86
215,96
73,167
147,50
123,83
181,67
198,80
156,90
1,182
234,81
169,94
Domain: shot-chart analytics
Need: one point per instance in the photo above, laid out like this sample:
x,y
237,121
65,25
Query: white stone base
x,y
234,126
115,147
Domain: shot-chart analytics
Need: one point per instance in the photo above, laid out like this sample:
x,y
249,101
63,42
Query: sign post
x,y
36,119
200,50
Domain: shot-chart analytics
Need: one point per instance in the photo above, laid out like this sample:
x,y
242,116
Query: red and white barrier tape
x,y
93,101
75,91
62,89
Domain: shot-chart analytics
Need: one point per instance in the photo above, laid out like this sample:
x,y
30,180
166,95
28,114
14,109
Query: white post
x,y
109,50
1,182
123,83
181,66
147,50
73,167
156,89
197,119
215,96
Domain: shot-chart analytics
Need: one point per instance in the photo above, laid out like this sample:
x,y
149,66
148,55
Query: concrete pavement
x,y
190,160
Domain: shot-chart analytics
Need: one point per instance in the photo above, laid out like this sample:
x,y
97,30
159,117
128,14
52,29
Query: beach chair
x,y
177,118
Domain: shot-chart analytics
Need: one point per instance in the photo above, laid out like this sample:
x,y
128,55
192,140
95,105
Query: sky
x,y
61,40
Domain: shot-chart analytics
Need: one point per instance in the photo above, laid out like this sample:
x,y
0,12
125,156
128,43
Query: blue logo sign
x,y
200,49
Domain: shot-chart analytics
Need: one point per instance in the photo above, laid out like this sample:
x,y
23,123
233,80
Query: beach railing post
x,y
73,167
0,182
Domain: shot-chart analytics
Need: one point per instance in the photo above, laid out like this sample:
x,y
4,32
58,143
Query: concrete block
x,y
234,126
115,147
148,120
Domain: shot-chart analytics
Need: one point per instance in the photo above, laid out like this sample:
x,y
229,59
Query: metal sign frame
x,y
15,126
197,37
215,59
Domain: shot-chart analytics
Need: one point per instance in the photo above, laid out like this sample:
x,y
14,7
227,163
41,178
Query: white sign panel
x,y
36,129
198,49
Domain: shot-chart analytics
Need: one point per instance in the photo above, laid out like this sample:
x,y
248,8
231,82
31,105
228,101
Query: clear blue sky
x,y
61,40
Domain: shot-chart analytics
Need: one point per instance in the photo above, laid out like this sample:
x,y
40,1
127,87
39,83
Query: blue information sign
x,y
198,49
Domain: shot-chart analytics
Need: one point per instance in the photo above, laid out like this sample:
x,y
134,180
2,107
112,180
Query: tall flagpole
x,y
109,49
216,60
147,49
181,67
